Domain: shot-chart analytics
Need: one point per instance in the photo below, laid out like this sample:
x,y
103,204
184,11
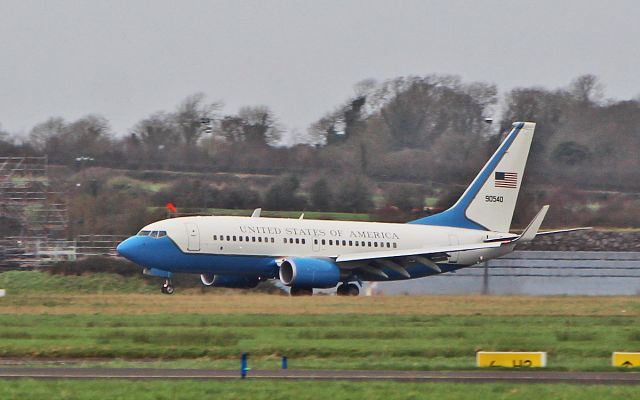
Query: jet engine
x,y
230,281
309,272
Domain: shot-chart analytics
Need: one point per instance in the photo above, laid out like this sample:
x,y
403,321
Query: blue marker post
x,y
244,365
284,362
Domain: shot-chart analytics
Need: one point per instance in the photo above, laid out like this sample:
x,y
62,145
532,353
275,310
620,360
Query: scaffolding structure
x,y
27,199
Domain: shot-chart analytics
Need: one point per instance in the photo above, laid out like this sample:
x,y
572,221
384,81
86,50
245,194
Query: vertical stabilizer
x,y
489,202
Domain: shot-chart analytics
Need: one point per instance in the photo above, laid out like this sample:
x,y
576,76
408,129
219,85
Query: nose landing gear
x,y
348,289
167,287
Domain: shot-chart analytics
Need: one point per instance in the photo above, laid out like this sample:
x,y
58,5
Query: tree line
x,y
418,129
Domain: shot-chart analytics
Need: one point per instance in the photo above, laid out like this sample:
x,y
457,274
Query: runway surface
x,y
352,375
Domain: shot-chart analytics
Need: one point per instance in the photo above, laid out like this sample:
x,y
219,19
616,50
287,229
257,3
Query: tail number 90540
x,y
493,199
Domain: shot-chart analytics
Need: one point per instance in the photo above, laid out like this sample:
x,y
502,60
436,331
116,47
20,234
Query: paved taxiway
x,y
353,375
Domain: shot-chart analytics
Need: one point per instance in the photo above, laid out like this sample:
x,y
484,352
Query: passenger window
x,y
330,242
285,240
246,238
395,245
375,244
388,244
253,238
234,238
259,239
350,243
240,238
357,243
228,238
302,241
323,242
273,240
297,241
344,242
362,244
215,237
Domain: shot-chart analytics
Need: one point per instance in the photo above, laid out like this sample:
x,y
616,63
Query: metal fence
x,y
536,273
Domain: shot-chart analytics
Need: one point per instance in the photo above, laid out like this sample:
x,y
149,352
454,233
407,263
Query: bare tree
x,y
191,114
587,89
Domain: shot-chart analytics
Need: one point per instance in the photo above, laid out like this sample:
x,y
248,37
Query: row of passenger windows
x,y
235,238
155,234
356,243
324,242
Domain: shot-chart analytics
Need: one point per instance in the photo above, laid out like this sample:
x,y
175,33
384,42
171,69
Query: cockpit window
x,y
162,233
144,233
154,234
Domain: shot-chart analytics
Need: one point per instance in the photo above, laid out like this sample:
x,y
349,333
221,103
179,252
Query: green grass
x,y
273,390
21,282
280,214
319,341
294,214
125,183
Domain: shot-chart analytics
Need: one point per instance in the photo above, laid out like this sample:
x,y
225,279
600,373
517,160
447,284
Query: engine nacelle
x,y
309,272
230,281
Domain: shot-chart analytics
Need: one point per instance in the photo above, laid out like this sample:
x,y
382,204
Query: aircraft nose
x,y
126,248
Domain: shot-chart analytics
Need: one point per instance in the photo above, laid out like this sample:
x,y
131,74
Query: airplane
x,y
304,254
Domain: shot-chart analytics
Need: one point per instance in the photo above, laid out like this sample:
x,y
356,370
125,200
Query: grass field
x,y
273,390
427,332
194,330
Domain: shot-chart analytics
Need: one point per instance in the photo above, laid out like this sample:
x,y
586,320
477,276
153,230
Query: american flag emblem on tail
x,y
506,179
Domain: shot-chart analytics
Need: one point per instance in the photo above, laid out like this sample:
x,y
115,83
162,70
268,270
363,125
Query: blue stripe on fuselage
x,y
162,253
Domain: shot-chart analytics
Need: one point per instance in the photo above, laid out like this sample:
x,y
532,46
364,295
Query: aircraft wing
x,y
425,251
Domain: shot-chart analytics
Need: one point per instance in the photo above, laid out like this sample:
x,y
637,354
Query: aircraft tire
x,y
169,289
296,291
352,290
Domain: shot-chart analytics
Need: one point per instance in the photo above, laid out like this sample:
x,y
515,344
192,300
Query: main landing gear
x,y
298,291
167,287
348,289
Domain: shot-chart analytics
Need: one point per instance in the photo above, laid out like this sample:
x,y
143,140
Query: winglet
x,y
532,230
256,213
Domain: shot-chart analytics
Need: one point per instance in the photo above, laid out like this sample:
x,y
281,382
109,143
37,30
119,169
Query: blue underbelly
x,y
164,254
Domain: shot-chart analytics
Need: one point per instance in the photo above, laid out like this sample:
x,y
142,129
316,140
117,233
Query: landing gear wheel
x,y
348,289
167,287
353,289
296,291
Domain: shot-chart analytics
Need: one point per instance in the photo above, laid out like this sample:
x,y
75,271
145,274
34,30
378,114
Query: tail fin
x,y
489,201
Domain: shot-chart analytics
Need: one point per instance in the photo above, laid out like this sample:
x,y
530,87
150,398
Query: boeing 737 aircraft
x,y
239,252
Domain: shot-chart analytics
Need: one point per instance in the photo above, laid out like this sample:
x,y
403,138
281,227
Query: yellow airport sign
x,y
625,359
512,359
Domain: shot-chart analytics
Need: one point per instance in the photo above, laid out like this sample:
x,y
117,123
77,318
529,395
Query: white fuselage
x,y
284,237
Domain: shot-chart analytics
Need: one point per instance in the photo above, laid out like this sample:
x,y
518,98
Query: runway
x,y
351,375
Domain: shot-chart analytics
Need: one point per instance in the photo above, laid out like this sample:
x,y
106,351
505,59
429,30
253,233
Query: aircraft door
x,y
319,244
453,255
193,237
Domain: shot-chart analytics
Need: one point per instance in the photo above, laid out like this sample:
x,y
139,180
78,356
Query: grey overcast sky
x,y
128,59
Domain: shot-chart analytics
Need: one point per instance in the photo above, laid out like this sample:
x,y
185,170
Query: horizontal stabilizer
x,y
586,228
